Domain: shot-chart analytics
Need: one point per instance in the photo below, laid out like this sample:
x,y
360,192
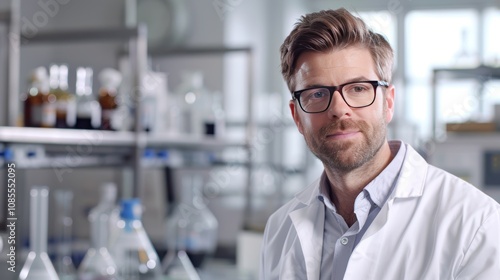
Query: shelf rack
x,y
481,73
109,148
137,40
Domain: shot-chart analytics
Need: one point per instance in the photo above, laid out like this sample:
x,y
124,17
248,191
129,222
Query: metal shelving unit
x,y
481,73
109,148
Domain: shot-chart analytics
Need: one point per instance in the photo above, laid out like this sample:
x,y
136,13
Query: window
x,y
440,39
491,46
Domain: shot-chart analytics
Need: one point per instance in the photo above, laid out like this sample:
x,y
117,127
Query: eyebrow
x,y
355,79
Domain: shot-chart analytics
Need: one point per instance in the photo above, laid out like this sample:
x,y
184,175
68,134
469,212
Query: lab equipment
x,y
98,264
64,263
132,250
38,265
192,227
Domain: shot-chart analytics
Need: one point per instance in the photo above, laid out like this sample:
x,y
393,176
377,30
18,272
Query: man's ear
x,y
389,103
295,114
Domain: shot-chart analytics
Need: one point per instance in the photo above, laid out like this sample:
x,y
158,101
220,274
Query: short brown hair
x,y
329,29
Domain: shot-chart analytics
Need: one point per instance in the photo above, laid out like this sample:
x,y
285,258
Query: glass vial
x,y
38,265
132,250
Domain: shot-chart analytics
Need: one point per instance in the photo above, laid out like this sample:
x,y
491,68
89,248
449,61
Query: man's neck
x,y
346,186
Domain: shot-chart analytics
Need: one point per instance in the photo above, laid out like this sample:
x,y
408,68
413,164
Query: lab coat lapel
x,y
309,224
410,183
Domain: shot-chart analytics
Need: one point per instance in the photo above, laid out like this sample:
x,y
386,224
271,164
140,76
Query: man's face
x,y
343,138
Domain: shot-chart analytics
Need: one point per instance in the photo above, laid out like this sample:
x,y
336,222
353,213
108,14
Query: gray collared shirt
x,y
338,239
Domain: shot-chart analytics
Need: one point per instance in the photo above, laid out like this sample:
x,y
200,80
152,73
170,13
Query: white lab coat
x,y
433,226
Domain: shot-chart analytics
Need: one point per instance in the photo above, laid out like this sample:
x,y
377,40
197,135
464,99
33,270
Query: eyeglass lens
x,y
355,95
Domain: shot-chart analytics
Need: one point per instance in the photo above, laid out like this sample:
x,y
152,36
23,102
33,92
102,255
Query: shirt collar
x,y
379,189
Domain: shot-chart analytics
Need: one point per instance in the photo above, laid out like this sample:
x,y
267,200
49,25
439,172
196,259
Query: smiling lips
x,y
342,134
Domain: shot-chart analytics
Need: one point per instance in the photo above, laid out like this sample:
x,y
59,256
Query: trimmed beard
x,y
345,156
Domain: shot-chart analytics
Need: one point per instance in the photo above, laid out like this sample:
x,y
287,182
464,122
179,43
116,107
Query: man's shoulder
x,y
452,188
300,200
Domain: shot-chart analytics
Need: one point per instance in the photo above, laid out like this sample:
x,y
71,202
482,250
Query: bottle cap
x,y
110,78
131,209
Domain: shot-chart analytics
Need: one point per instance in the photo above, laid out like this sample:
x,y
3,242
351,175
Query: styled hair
x,y
333,29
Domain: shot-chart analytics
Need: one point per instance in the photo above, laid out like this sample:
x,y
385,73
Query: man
x,y
378,211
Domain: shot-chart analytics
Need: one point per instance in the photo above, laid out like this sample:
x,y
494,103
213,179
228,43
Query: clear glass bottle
x,y
107,207
192,227
193,101
98,264
48,106
132,250
65,101
64,262
215,120
38,265
88,110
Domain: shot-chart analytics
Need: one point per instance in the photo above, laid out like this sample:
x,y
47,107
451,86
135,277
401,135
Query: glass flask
x,y
98,264
132,250
180,267
38,265
64,263
192,227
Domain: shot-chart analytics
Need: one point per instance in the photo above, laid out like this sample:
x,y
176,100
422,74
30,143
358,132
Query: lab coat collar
x,y
412,177
309,219
310,194
309,225
410,184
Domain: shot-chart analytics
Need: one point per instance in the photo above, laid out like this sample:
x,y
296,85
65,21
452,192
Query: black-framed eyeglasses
x,y
355,94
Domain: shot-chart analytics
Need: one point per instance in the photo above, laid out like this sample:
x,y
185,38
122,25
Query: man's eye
x,y
318,94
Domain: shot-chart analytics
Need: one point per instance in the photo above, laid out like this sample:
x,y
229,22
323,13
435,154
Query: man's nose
x,y
338,107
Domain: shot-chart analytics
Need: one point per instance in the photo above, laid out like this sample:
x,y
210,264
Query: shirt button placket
x,y
344,240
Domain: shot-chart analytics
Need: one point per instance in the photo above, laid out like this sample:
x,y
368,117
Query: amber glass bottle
x,y
33,99
39,103
48,109
110,79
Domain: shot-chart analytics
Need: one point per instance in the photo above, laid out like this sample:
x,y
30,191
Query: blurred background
x,y
176,89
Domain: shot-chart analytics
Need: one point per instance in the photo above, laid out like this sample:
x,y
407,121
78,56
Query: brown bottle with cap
x,y
110,80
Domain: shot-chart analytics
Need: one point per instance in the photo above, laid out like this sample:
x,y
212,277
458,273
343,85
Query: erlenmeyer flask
x,y
179,266
132,250
98,264
192,227
38,265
